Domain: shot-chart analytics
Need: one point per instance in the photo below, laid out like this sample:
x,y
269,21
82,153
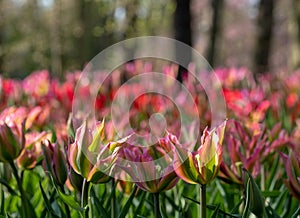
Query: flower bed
x,y
249,164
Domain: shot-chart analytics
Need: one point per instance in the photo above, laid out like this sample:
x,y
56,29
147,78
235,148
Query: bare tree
x,y
56,40
295,31
183,31
265,21
1,37
217,8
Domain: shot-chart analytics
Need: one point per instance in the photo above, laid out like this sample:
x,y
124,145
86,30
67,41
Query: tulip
x,y
201,166
292,166
246,148
11,142
91,155
55,162
32,152
149,167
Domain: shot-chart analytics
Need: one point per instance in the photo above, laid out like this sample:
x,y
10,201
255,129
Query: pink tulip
x,y
200,166
91,155
150,168
292,166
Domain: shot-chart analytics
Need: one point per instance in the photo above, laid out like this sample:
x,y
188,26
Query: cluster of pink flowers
x,y
264,122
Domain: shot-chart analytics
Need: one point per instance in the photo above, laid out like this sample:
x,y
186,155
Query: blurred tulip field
x,y
52,165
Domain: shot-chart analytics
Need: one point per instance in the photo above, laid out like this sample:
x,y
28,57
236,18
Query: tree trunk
x,y
1,38
85,40
295,31
263,44
56,42
217,8
183,32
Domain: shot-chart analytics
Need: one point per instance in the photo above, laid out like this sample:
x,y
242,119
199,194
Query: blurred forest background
x,y
63,35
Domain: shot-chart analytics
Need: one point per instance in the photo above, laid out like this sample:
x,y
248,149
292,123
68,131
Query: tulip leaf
x,y
68,199
271,194
111,193
213,207
297,213
141,204
248,199
126,208
98,205
216,212
47,202
270,212
253,196
2,202
10,189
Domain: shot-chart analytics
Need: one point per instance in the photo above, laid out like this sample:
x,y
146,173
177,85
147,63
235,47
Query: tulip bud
x,y
32,152
11,142
55,162
27,159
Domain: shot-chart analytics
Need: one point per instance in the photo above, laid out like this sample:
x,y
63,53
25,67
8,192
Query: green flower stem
x,y
202,201
85,197
25,207
113,199
156,205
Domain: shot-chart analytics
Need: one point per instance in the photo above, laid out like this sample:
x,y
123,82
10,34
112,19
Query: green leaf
x,y
236,207
271,194
271,181
213,207
47,202
257,204
216,212
163,211
126,208
68,199
98,205
171,201
10,189
112,192
270,212
248,199
2,203
141,204
297,213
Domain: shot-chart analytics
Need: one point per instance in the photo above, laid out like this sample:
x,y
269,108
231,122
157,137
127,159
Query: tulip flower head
x,y
55,162
292,166
12,142
32,152
91,155
150,168
200,166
